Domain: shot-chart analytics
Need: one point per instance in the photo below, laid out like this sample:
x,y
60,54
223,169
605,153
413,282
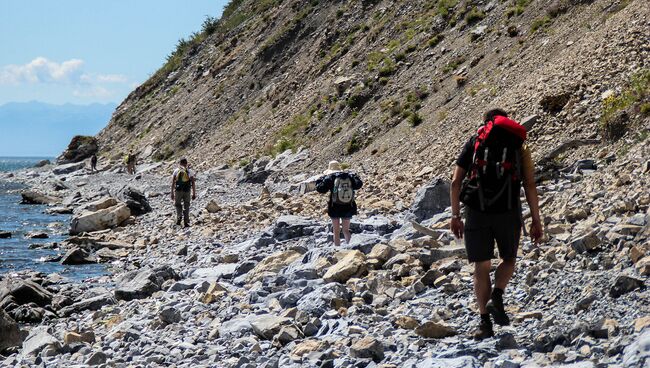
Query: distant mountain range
x,y
41,129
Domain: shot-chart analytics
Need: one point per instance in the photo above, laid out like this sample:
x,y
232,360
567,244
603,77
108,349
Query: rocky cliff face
x,y
396,82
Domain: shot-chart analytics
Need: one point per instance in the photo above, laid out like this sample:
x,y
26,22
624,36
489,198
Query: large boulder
x,y
99,220
430,200
267,325
34,197
99,204
94,303
353,264
68,168
323,299
289,227
9,332
273,264
23,292
142,284
39,338
80,148
77,256
135,200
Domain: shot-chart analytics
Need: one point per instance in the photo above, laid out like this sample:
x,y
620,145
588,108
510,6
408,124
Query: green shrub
x,y
444,7
387,68
354,144
383,81
400,57
645,108
474,16
540,23
517,8
435,40
453,64
613,121
414,119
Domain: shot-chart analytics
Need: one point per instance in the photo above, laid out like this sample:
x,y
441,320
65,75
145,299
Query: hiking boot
x,y
187,224
484,329
496,308
178,222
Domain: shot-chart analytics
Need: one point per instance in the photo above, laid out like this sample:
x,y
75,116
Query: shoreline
x,y
257,278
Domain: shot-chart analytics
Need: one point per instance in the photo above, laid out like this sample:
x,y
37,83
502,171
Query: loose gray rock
x,y
138,285
430,200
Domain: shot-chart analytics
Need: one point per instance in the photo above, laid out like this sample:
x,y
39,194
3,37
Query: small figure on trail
x,y
497,162
93,162
182,184
130,160
341,205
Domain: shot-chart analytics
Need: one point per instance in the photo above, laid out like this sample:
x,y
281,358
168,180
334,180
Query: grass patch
x,y
453,64
637,94
540,23
435,40
414,119
474,16
354,144
517,8
444,7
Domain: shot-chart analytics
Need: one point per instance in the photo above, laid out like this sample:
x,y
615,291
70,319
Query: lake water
x,y
15,252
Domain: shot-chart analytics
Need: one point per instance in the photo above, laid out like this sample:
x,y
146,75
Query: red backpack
x,y
494,179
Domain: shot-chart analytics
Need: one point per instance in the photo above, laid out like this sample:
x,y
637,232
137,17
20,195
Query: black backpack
x,y
494,179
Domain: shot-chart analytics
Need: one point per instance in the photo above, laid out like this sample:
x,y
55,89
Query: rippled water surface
x,y
15,252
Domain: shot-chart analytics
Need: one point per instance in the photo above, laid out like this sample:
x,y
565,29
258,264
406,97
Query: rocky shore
x,y
256,281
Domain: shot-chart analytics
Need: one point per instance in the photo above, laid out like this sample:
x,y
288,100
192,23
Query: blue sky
x,y
82,51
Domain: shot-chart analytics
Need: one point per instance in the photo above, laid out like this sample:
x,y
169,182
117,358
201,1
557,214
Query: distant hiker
x,y
130,160
182,183
497,162
341,205
93,163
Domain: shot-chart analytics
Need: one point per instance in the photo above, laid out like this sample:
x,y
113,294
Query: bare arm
x,y
193,188
173,186
531,195
457,226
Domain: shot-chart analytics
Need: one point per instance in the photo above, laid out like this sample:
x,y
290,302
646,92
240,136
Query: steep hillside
x,y
396,81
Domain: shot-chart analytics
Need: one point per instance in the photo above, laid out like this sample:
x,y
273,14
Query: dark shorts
x,y
483,229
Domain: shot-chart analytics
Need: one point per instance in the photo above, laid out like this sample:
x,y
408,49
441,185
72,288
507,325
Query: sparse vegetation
x,y
414,119
444,7
517,8
540,23
453,64
474,16
435,40
354,144
292,135
613,119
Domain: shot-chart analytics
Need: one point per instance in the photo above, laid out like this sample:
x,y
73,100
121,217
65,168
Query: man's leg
x,y
482,284
336,229
186,208
178,203
507,229
482,290
346,230
504,273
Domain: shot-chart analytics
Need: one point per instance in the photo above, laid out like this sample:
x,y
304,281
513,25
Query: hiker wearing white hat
x,y
341,206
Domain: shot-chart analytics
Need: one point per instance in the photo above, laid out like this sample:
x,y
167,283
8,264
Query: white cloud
x,y
93,92
42,70
112,78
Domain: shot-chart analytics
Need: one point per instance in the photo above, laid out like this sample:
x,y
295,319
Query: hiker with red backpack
x,y
182,183
488,178
341,206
